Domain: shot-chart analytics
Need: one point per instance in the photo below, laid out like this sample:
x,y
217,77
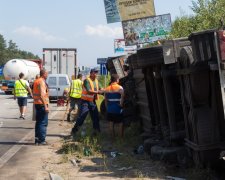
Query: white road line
x,y
14,149
1,124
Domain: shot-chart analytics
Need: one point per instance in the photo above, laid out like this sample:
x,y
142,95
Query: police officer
x,y
75,94
89,95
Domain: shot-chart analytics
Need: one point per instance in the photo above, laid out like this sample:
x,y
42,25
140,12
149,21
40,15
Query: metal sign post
x,y
1,70
103,71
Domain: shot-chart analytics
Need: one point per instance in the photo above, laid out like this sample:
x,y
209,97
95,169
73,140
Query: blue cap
x,y
94,70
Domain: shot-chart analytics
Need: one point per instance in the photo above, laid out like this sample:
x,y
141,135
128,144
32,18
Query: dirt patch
x,y
99,157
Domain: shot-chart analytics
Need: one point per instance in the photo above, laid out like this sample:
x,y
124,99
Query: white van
x,y
56,84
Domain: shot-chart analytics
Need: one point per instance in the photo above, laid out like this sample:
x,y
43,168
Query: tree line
x,y
10,51
208,14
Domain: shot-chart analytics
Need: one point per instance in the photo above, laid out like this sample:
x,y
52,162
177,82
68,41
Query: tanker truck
x,y
14,67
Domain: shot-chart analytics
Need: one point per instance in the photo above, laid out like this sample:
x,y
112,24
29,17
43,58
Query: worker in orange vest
x,y
89,95
114,97
41,102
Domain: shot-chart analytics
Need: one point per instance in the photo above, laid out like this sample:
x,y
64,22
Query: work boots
x,y
73,132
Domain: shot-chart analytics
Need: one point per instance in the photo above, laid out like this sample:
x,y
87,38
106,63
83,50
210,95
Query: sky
x,y
34,25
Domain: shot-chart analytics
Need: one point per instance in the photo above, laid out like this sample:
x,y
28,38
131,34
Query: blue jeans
x,y
41,123
85,107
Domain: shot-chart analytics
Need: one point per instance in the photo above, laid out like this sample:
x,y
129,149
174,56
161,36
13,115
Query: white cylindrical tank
x,y
14,67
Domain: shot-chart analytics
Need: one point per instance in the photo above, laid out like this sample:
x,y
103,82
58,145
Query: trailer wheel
x,y
8,92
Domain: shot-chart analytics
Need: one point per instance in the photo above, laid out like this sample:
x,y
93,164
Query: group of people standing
x,y
82,96
91,89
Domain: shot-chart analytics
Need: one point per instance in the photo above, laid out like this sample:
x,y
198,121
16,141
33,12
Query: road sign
x,y
101,60
1,70
103,70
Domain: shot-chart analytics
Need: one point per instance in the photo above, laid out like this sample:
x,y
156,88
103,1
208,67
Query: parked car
x,y
57,83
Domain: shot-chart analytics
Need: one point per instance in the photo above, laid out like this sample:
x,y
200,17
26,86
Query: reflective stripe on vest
x,y
37,92
86,95
114,100
20,90
113,96
76,88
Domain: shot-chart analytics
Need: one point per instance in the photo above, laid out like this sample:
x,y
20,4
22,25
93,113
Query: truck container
x,y
178,94
60,61
14,67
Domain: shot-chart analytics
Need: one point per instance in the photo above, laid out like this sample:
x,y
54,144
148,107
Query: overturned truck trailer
x,y
178,94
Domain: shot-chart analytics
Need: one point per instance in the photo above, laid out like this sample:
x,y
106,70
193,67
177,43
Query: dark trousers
x,y
85,107
41,123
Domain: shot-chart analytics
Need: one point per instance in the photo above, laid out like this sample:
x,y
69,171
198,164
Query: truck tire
x,y
150,56
8,92
167,154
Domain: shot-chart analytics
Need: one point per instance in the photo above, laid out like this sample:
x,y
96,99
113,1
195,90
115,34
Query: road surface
x,y
17,135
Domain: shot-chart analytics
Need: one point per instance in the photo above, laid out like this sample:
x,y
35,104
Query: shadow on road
x,y
9,98
15,128
9,118
17,143
56,135
54,119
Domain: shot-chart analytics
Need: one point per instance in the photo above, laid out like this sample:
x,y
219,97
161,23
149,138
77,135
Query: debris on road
x,y
55,177
125,168
174,178
139,150
87,151
74,162
115,154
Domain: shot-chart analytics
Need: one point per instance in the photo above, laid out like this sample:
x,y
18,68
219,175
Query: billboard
x,y
146,30
111,11
134,9
120,47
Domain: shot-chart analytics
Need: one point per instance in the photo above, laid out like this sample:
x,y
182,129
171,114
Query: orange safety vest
x,y
113,97
89,96
37,91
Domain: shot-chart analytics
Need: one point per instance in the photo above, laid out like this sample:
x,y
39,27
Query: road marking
x,y
1,124
14,149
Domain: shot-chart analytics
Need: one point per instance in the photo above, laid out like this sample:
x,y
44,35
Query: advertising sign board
x,y
146,30
120,47
111,11
134,9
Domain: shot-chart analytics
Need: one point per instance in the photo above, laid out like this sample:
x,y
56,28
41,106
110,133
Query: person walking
x,y
89,95
75,94
41,102
114,97
21,89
